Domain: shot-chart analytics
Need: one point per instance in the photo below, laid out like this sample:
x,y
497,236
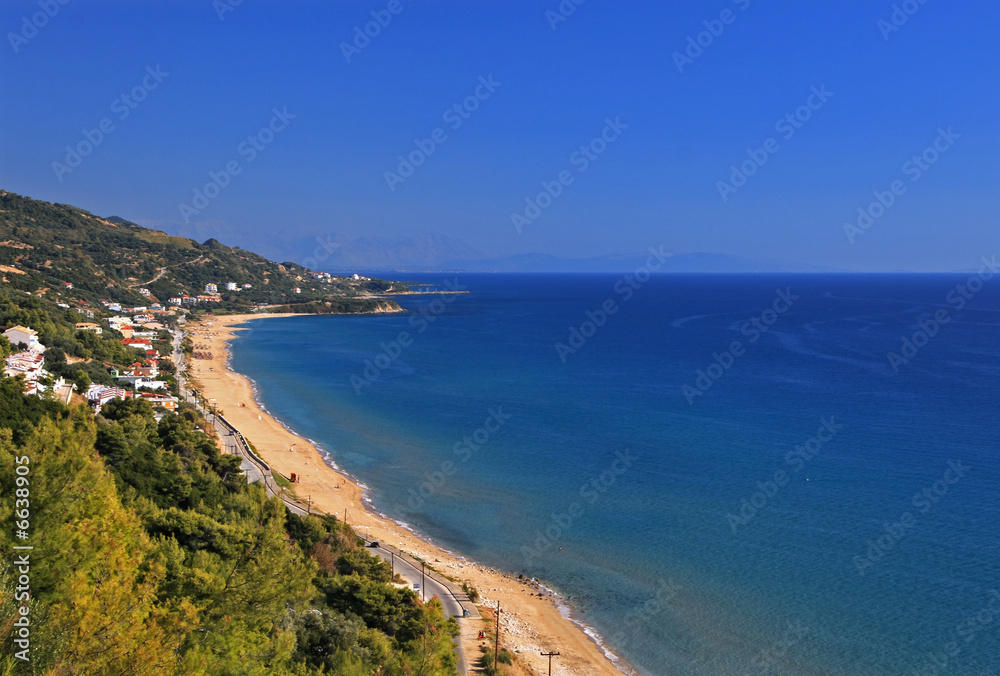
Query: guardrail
x,y
269,483
456,591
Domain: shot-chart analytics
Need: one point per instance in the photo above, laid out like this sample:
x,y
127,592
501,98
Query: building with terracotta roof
x,y
167,401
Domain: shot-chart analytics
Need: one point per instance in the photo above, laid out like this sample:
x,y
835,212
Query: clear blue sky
x,y
657,183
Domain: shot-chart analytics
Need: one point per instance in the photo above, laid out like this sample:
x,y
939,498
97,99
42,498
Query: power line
x,y
550,656
496,647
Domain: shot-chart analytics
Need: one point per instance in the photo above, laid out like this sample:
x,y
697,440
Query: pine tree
x,y
89,562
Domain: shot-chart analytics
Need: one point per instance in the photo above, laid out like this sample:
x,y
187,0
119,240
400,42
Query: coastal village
x,y
138,379
144,330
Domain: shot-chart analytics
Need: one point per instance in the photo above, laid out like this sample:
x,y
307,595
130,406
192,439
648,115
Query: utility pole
x,y
550,656
496,645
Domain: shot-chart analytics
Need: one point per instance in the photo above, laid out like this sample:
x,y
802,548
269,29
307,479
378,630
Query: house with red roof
x,y
167,401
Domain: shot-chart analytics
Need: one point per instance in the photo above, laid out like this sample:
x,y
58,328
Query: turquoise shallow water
x,y
694,537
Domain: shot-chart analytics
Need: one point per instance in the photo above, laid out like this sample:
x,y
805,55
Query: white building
x,y
27,363
31,366
99,395
22,334
141,382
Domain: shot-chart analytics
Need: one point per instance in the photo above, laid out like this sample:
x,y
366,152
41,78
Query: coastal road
x,y
254,469
429,588
453,599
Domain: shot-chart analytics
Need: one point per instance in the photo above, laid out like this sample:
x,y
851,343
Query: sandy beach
x,y
530,621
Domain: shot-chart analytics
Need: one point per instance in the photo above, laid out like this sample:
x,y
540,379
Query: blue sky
x,y
656,183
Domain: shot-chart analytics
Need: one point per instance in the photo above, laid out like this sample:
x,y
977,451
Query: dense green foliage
x,y
43,245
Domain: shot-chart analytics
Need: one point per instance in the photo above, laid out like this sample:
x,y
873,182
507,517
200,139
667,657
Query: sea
x,y
718,474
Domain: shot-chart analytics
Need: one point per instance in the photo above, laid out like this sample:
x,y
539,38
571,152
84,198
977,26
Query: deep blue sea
x,y
724,474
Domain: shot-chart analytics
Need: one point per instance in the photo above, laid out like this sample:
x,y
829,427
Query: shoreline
x,y
535,618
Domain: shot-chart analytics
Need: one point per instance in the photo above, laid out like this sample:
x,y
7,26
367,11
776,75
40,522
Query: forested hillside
x,y
43,246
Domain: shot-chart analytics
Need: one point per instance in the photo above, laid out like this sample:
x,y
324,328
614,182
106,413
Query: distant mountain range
x,y
435,252
696,262
338,251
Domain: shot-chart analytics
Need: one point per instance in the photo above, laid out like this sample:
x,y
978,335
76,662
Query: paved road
x,y
428,587
254,468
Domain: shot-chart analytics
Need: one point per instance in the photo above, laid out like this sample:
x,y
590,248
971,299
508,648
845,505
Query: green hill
x,y
43,246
